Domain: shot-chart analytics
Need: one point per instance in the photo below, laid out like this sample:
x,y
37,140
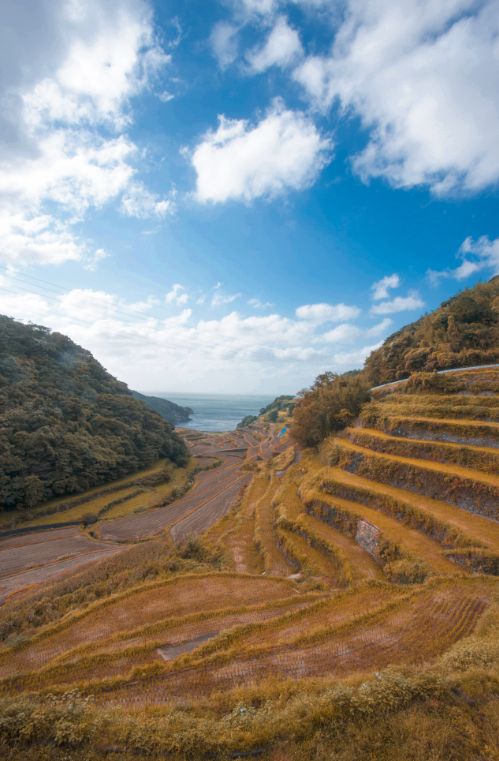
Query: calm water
x,y
217,412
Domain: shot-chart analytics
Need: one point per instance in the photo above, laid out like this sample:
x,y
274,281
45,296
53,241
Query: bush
x,y
329,406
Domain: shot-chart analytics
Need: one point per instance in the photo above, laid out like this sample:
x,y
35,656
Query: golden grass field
x,y
291,605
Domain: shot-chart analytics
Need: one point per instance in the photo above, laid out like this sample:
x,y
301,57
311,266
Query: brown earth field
x,y
32,558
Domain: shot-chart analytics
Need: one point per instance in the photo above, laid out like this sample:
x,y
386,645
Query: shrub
x,y
329,406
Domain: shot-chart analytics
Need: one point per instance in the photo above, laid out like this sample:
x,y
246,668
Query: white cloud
x,y
380,327
255,7
399,304
258,304
112,56
224,43
281,48
355,358
476,256
41,239
177,295
283,151
66,93
344,333
381,287
423,78
140,202
72,169
220,298
321,313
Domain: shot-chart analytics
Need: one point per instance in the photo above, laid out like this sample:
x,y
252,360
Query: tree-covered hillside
x,y
65,423
270,412
170,411
462,332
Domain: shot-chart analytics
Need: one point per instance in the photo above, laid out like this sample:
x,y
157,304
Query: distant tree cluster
x,y
65,423
246,421
170,411
283,403
462,332
270,412
328,406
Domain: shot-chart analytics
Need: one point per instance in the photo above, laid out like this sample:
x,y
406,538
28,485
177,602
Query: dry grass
x,y
146,605
439,520
474,432
484,459
265,537
402,540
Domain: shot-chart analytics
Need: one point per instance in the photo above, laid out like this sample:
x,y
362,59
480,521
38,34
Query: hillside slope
x,y
344,608
173,413
65,423
462,332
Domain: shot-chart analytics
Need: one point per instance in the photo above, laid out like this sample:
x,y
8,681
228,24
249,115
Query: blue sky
x,y
235,195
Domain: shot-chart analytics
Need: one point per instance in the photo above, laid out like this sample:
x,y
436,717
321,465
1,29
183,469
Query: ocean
x,y
217,412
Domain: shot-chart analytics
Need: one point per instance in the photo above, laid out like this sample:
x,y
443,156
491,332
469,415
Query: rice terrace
x,y
233,606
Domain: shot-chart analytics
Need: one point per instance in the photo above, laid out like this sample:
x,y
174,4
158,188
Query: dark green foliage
x,y
65,423
270,413
248,420
462,332
329,406
281,403
170,411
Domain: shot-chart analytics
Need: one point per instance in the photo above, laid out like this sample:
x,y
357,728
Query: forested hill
x,y
65,423
462,332
170,411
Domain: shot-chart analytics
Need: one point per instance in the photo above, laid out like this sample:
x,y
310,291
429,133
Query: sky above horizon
x,y
236,195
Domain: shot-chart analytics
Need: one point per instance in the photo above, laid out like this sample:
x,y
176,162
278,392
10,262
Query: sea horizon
x,y
216,412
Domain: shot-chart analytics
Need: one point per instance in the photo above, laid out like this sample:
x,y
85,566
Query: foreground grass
x,y
397,715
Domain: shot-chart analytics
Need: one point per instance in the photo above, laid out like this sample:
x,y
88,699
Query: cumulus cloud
x,y
321,313
66,91
476,256
399,304
381,288
240,161
344,333
177,295
281,48
39,238
410,71
112,56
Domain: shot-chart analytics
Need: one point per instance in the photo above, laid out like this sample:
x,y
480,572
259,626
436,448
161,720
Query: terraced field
x,y
379,551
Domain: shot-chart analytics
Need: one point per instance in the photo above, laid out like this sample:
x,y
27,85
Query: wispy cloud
x,y
177,295
399,304
382,287
220,298
321,313
476,256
